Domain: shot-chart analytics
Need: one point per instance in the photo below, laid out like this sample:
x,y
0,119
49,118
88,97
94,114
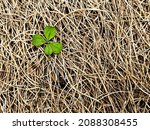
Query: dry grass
x,y
104,66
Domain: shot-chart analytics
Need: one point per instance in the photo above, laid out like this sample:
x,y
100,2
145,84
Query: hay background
x,y
104,65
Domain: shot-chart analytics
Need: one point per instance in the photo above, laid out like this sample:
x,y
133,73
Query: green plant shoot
x,y
50,46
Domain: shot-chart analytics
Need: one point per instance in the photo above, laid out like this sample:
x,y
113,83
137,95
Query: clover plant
x,y
50,46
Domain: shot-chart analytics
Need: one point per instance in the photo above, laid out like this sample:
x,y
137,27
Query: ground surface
x,y
104,65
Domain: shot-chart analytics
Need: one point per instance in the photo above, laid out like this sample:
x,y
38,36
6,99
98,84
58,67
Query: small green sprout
x,y
50,46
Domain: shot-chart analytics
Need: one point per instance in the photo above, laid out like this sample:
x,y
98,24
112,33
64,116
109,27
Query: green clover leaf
x,y
48,49
38,40
51,47
50,32
56,47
